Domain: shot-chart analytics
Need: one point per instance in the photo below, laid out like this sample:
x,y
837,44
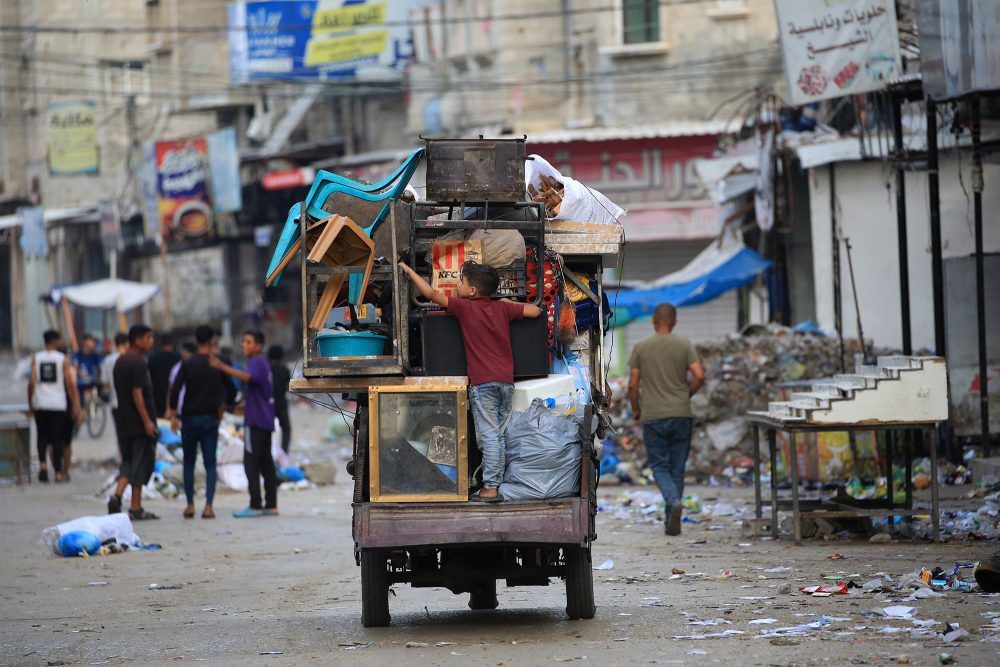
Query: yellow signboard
x,y
349,47
341,19
72,138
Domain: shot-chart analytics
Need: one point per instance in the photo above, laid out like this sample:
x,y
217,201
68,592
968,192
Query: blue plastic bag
x,y
77,542
292,473
165,436
608,464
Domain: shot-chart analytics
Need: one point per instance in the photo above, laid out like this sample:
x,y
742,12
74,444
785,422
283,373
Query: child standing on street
x,y
258,425
485,327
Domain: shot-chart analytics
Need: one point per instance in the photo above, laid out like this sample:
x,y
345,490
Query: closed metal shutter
x,y
653,259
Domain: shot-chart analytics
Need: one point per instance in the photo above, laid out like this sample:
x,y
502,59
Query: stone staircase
x,y
898,389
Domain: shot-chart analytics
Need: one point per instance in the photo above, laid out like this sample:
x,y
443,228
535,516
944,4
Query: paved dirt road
x,y
289,586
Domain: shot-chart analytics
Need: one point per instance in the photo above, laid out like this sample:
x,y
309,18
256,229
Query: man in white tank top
x,y
50,384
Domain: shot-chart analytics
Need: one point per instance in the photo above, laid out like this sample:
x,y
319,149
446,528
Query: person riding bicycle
x,y
87,363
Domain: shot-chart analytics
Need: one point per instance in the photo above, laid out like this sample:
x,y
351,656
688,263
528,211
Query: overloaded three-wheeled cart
x,y
369,339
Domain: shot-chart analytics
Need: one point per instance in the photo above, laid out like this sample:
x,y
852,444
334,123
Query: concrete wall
x,y
511,74
866,214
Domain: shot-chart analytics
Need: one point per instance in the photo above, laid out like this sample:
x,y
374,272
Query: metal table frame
x,y
877,508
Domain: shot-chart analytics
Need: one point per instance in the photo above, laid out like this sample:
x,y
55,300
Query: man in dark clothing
x,y
206,393
258,425
136,422
281,376
160,364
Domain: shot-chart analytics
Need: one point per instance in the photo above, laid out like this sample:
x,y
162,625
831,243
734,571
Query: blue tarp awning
x,y
718,269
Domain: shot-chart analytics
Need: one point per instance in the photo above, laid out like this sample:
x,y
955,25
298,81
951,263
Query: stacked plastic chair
x,y
335,239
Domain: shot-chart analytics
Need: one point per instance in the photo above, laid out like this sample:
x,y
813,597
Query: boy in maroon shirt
x,y
485,327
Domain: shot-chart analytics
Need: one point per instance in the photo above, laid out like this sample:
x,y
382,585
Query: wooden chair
x,y
338,241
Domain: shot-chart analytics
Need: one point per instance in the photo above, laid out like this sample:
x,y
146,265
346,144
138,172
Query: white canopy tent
x,y
104,294
122,295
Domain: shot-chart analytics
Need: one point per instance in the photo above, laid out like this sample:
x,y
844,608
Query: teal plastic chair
x,y
289,235
387,190
323,177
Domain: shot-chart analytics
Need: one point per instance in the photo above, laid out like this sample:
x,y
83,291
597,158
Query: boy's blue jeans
x,y
668,442
203,431
491,408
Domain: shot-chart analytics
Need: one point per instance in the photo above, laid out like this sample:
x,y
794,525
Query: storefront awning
x,y
724,265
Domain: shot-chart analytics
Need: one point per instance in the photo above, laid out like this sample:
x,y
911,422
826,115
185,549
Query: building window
x,y
125,77
641,21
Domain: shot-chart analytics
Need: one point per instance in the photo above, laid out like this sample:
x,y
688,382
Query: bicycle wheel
x,y
97,416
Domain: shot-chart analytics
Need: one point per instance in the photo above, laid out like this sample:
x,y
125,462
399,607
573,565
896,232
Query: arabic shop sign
x,y
653,179
72,138
834,48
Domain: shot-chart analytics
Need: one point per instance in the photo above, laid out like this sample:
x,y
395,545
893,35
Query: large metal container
x,y
475,170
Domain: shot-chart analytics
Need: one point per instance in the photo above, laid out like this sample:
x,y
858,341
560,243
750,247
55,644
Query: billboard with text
x,y
314,40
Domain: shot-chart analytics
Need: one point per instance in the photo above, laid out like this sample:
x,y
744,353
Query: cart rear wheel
x,y
374,589
579,583
484,596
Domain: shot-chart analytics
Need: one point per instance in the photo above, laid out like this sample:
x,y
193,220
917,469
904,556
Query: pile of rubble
x,y
742,374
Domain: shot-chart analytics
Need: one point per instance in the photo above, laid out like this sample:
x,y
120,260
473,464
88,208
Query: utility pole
x,y
977,199
133,149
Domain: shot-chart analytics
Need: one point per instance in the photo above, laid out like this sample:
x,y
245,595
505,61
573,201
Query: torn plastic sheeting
x,y
740,266
798,629
896,611
712,635
711,621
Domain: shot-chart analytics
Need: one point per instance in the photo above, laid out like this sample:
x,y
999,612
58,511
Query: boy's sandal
x,y
208,513
141,515
114,504
188,512
270,511
476,498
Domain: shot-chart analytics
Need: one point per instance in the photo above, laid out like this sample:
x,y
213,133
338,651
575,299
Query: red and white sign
x,y
448,258
653,179
289,178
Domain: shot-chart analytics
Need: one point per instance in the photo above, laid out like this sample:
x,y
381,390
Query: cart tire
x,y
484,596
374,589
579,583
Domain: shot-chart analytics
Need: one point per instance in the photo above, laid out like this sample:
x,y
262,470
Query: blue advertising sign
x,y
314,40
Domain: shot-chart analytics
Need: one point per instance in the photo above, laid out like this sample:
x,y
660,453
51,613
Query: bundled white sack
x,y
579,202
105,527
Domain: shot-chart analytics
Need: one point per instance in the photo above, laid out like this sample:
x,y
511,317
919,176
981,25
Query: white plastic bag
x,y
117,526
579,202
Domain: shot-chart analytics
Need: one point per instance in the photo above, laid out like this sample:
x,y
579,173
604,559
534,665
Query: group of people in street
x,y
194,387
191,389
